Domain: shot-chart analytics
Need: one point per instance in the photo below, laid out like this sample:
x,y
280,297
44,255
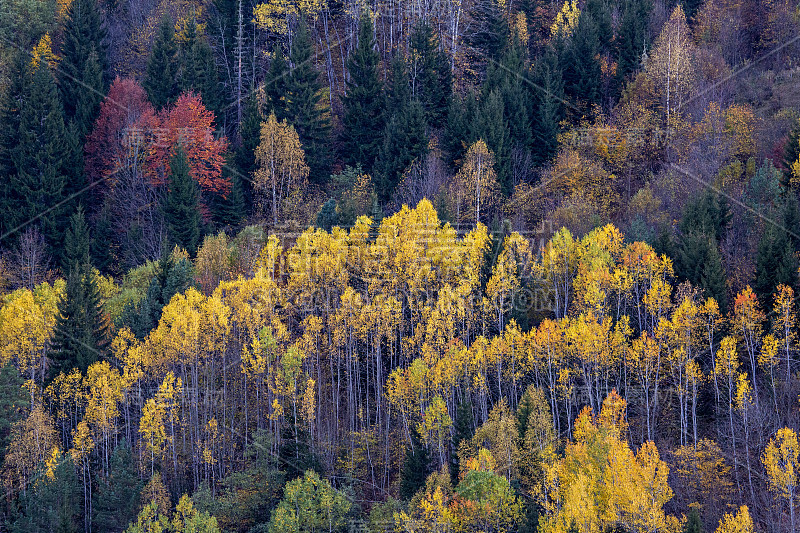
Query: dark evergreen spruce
x,y
491,29
791,153
172,277
547,106
80,336
633,37
416,467
116,498
363,118
181,205
582,79
198,69
327,217
36,191
431,79
276,83
84,37
161,75
308,106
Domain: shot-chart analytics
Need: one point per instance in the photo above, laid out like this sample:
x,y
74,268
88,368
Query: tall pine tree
x,y
36,191
80,336
160,79
276,84
84,36
181,205
416,467
198,68
308,106
547,106
363,118
11,102
77,242
582,80
632,39
431,77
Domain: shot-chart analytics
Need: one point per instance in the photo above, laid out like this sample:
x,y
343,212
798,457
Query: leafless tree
x,y
29,261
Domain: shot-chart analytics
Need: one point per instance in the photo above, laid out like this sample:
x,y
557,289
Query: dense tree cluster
x,y
467,266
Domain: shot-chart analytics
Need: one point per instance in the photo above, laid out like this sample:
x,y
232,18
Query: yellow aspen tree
x,y
726,361
32,441
478,180
82,446
435,426
104,393
703,474
712,321
68,395
736,523
670,65
784,326
780,460
153,432
645,362
500,435
768,360
282,169
694,379
27,319
747,321
505,281
682,334
744,404
566,19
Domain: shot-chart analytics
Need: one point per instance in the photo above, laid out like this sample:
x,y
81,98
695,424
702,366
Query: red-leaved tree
x,y
106,146
187,123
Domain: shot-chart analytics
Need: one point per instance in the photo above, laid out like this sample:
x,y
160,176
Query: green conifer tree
x,y
463,430
308,105
693,523
84,36
181,211
160,79
775,264
87,105
416,467
37,188
76,242
431,80
712,278
404,141
363,118
276,83
198,69
632,38
54,503
13,401
491,126
103,245
80,336
116,499
547,106
327,217
582,80
491,29
171,277
791,153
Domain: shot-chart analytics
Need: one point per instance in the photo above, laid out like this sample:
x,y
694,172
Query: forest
x,y
409,266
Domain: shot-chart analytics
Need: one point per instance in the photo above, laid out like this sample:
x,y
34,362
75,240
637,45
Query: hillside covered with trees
x,y
399,266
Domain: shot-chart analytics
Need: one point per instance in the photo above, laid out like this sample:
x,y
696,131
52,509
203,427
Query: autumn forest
x,y
410,266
